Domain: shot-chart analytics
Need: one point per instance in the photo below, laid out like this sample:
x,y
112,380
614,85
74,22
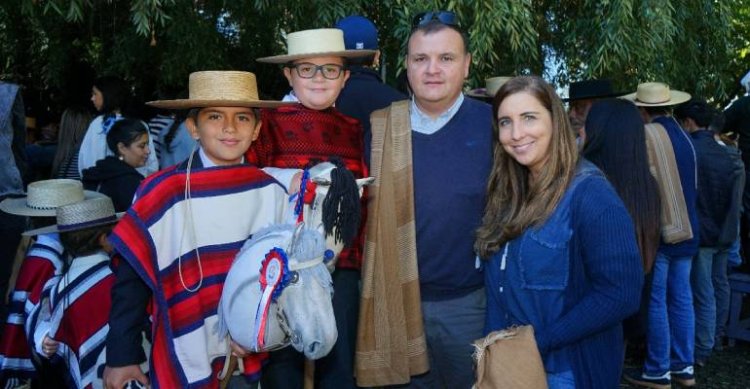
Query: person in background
x,y
110,95
176,143
721,180
561,247
670,337
364,91
73,125
13,169
116,176
581,95
616,144
81,294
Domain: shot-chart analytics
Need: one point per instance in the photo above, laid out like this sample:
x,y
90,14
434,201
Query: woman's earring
x,y
121,158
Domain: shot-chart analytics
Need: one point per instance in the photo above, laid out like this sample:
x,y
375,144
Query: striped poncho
x,y
42,262
75,312
160,236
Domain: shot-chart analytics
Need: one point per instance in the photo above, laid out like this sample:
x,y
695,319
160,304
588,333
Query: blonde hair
x,y
513,202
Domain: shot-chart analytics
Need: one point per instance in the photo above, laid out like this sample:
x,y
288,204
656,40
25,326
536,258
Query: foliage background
x,y
56,47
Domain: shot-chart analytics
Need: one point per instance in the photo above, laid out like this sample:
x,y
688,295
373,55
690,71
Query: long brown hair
x,y
73,125
514,203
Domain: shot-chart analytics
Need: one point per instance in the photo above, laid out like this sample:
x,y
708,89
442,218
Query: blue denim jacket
x,y
529,275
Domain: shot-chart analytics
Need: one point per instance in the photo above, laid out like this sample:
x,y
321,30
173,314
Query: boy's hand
x,y
117,377
49,346
237,350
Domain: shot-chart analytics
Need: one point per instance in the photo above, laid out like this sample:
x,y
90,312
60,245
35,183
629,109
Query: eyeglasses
x,y
445,17
330,71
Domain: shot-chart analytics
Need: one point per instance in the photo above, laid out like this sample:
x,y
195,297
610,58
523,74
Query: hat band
x,y
41,208
86,224
652,102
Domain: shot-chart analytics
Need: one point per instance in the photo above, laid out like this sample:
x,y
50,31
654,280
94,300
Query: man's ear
x,y
468,64
192,128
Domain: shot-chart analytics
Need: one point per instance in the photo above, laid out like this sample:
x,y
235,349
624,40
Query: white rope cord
x,y
189,222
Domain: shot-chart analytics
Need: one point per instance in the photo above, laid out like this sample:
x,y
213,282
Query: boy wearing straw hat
x,y
299,135
179,238
43,260
74,309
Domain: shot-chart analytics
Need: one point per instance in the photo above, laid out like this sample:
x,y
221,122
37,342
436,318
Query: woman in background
x,y
73,125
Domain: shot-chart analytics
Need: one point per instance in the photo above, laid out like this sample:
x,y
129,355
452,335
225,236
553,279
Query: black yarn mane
x,y
341,207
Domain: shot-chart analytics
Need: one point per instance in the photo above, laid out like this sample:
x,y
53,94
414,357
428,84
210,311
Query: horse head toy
x,y
288,302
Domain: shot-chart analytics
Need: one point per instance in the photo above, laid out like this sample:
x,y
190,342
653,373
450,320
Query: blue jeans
x,y
451,327
671,320
710,290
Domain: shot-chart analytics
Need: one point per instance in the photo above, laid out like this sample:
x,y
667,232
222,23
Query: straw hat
x,y
321,42
219,88
81,215
656,94
491,86
43,197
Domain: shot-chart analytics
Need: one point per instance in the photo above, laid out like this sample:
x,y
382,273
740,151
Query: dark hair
x,y
434,26
114,93
513,202
179,117
84,242
698,110
125,131
616,143
73,125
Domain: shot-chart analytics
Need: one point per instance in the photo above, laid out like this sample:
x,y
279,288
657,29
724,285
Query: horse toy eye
x,y
294,277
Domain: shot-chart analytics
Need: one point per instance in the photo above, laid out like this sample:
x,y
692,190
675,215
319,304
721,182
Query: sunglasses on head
x,y
445,17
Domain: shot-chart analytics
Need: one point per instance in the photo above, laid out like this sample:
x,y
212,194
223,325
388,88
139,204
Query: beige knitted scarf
x,y
391,344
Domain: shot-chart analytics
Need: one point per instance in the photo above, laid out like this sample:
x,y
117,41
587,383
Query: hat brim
x,y
585,97
17,206
53,228
282,59
189,103
676,97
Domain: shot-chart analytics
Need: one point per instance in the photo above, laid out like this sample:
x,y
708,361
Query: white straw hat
x,y
219,88
321,42
43,197
81,215
491,86
656,94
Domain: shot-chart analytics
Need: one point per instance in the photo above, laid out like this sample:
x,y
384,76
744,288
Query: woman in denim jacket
x,y
561,247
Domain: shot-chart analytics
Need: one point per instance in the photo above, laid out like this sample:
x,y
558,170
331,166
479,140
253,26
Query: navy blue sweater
x,y
685,155
451,168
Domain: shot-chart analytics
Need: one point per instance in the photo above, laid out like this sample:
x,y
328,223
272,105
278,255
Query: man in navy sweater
x,y
451,157
670,336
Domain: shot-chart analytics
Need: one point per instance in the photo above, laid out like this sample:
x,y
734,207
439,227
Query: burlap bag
x,y
509,359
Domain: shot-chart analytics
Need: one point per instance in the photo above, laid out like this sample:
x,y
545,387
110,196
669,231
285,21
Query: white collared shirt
x,y
422,123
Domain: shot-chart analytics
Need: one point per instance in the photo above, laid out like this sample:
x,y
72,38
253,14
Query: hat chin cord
x,y
190,223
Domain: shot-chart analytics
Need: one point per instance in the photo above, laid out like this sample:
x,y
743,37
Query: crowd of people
x,y
612,222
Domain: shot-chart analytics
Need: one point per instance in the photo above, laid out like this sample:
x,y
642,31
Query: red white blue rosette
x,y
274,277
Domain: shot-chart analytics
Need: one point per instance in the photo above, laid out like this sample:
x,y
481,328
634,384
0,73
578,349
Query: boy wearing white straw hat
x,y
671,319
43,260
296,136
179,238
74,309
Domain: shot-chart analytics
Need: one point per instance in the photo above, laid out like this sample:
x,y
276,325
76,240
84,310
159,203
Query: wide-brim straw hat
x,y
44,197
81,215
491,86
219,88
591,89
322,42
656,94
